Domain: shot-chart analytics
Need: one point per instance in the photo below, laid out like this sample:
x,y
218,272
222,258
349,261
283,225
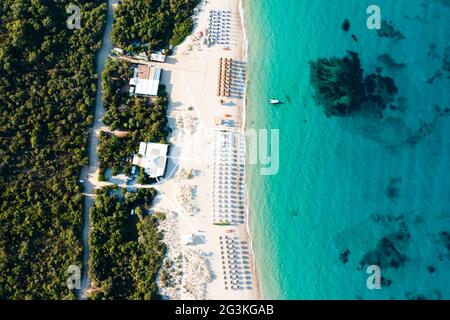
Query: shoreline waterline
x,y
330,194
197,61
244,121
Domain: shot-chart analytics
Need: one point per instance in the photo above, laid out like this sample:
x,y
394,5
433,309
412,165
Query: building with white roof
x,y
145,81
153,158
118,50
157,56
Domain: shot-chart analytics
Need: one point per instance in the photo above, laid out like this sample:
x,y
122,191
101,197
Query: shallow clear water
x,y
330,193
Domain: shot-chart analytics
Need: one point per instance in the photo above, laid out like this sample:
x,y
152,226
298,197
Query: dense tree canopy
x,y
115,153
126,249
47,92
143,118
152,24
47,86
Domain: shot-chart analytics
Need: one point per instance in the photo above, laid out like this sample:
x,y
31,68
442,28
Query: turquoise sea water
x,y
331,192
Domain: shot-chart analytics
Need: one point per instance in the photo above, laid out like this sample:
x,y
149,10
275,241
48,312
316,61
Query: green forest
x,y
115,153
126,249
144,119
152,24
47,89
47,96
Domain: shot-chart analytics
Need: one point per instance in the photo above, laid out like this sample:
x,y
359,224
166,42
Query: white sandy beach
x,y
219,262
205,177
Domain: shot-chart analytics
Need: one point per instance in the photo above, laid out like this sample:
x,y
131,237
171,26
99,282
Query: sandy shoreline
x,y
219,263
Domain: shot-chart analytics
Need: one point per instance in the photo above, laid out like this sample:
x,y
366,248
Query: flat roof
x,y
142,148
146,80
157,56
152,157
142,71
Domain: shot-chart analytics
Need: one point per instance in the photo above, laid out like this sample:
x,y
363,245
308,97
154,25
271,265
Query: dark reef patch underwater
x,y
370,102
389,252
392,190
371,105
365,149
388,30
343,91
389,62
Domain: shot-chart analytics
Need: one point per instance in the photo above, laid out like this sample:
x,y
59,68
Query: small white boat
x,y
274,101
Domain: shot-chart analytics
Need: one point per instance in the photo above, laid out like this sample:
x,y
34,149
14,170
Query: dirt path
x,y
90,174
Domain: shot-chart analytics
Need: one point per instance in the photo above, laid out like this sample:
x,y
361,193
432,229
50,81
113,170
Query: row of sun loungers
x,y
228,193
235,263
219,27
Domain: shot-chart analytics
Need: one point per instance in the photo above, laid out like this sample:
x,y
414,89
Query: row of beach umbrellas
x,y
219,27
236,271
228,190
224,77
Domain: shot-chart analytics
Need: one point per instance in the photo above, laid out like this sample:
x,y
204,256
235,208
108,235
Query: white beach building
x,y
153,158
118,51
115,3
145,81
157,56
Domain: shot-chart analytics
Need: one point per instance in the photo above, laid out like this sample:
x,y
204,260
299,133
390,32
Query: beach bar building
x,y
157,57
153,158
145,81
